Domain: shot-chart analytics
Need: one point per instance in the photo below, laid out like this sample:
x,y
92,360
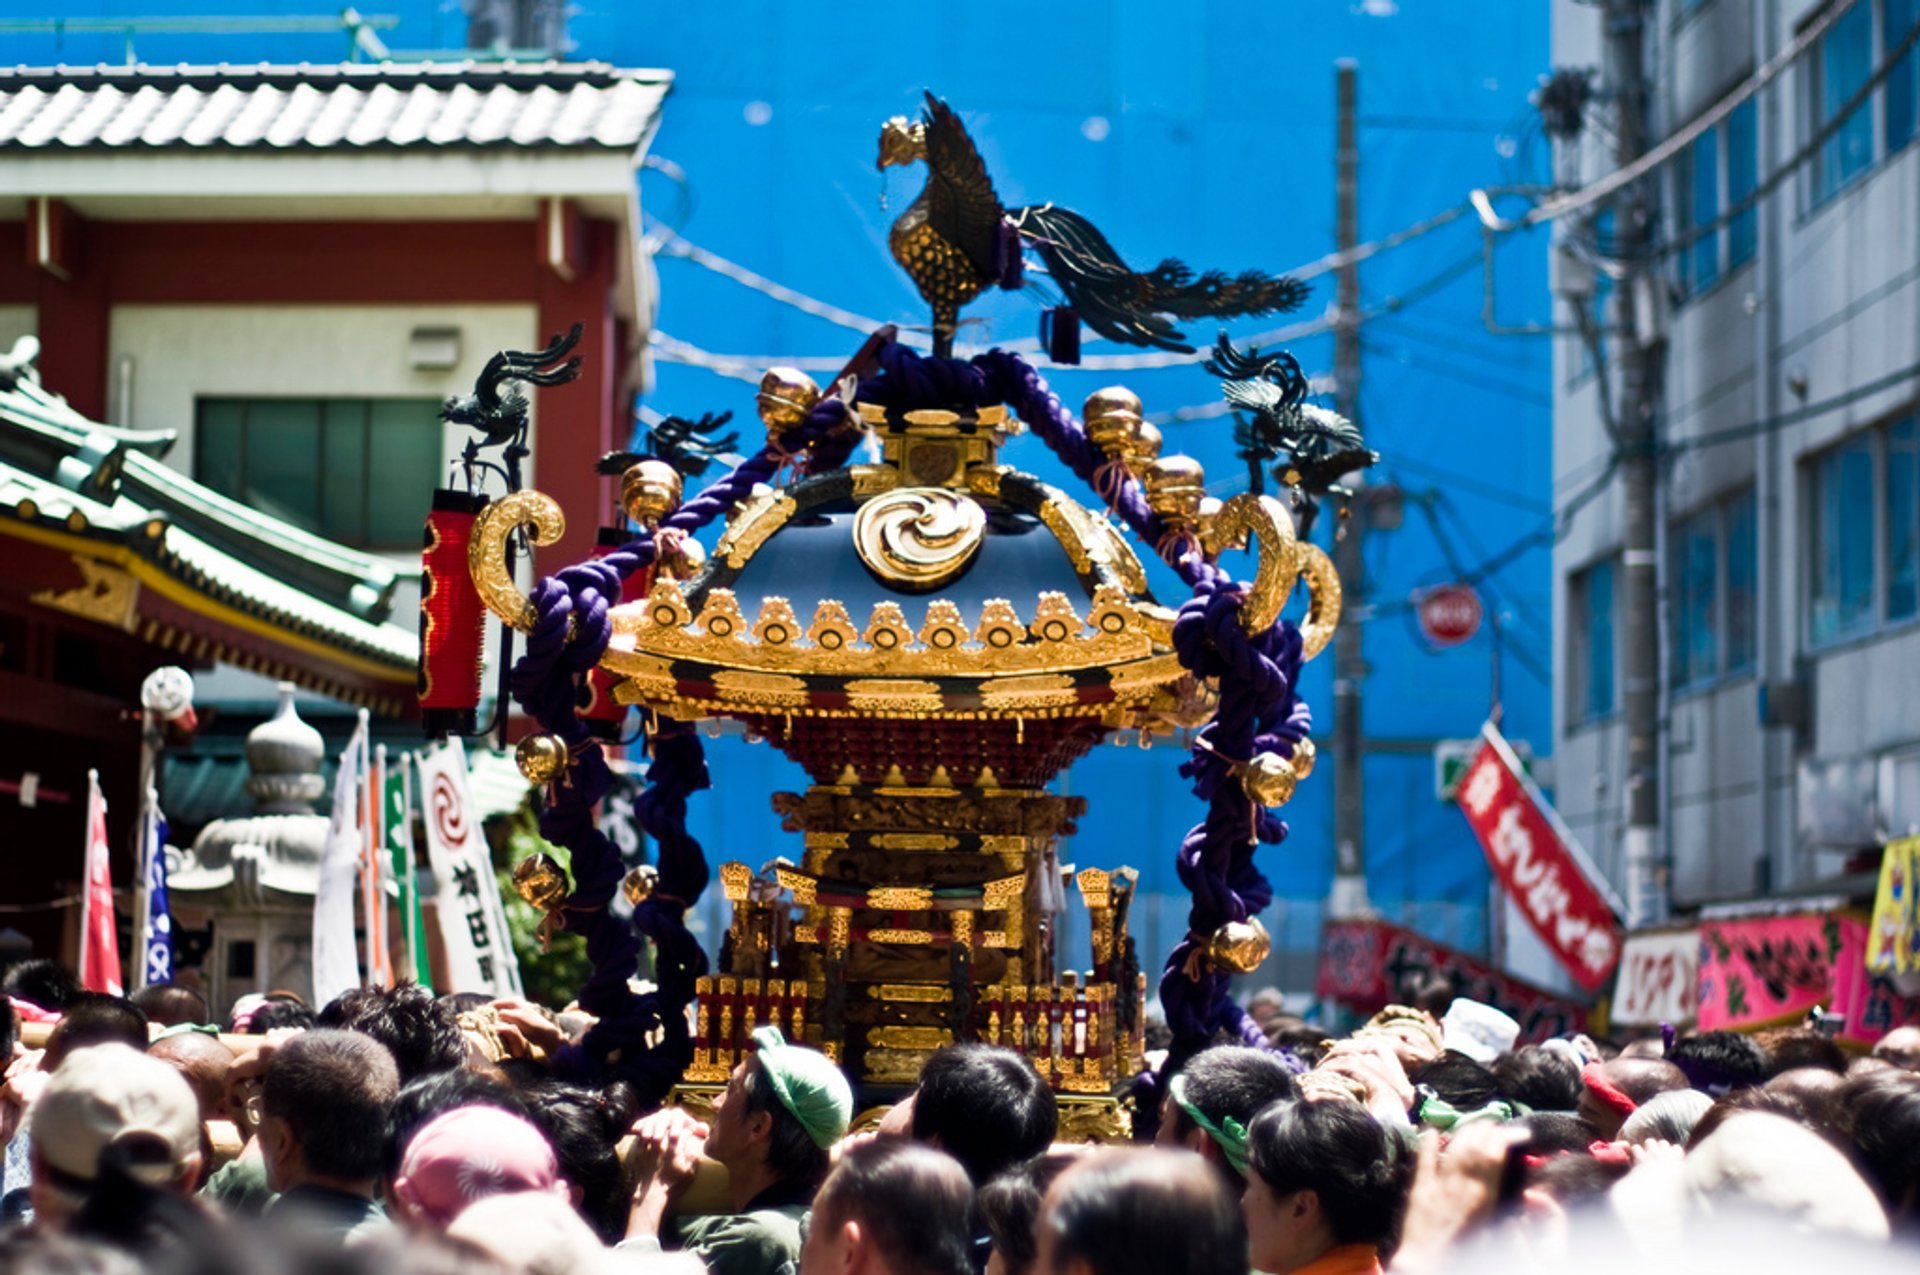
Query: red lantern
x,y
451,618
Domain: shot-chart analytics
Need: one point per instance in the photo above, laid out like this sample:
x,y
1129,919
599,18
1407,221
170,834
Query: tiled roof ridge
x,y
514,74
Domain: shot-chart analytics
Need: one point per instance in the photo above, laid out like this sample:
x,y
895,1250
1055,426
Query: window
x,y
1842,527
1713,175
1712,592
1903,527
1590,649
1903,84
353,470
1844,62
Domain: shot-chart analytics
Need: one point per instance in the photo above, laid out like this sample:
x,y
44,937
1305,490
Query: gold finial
x,y
1269,779
541,881
786,396
1176,486
1240,946
1141,447
1111,415
541,758
649,491
640,884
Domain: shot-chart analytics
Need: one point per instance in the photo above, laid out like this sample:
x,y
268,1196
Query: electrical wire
x,y
1767,425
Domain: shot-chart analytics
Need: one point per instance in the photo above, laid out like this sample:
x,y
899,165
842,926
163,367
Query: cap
x,y
469,1154
808,1084
1477,1030
106,1095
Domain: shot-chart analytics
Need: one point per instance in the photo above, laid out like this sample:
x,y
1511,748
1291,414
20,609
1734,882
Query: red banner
x,y
1539,865
1367,964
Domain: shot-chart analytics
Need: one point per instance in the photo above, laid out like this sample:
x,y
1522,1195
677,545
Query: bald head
x,y
1901,1047
1611,1090
203,1060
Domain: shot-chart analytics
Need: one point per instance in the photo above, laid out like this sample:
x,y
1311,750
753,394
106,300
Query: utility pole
x,y
1349,896
1637,340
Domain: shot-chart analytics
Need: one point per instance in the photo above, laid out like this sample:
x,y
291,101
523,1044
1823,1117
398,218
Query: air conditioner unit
x,y
1838,806
1899,804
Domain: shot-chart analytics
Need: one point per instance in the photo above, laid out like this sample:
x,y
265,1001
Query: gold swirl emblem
x,y
919,537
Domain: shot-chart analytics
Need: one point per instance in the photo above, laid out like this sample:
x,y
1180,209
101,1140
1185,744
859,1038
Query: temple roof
x,y
429,106
148,550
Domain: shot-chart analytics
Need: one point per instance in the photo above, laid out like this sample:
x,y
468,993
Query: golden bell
x,y
1303,757
1240,946
1111,415
786,396
1269,779
541,881
541,758
1176,486
1141,447
649,491
686,561
639,884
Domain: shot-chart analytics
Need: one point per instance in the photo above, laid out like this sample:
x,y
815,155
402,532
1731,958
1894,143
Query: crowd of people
x,y
391,1130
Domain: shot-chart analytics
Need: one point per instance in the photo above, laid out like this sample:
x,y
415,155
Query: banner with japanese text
x,y
1762,970
1659,979
1367,964
1893,937
473,925
1539,865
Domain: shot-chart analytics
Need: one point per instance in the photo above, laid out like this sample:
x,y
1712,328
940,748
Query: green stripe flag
x,y
399,825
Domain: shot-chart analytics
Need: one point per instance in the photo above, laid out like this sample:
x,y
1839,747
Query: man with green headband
x,y
1211,1103
782,1109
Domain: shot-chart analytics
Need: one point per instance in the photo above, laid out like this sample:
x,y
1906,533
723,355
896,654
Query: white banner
x,y
1659,979
473,924
336,960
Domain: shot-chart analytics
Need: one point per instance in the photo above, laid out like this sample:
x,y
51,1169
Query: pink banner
x,y
1759,971
1871,1005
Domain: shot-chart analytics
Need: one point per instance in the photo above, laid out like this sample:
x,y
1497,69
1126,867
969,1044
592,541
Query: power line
x,y
1490,384
1767,425
1463,482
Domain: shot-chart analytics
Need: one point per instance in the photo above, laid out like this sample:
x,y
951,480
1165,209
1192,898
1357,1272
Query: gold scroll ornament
x,y
919,537
1280,560
487,557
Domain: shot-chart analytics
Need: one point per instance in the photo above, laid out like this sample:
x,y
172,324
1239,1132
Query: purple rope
x,y
647,1035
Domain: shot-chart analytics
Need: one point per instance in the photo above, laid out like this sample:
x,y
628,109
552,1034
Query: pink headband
x,y
469,1154
1597,1085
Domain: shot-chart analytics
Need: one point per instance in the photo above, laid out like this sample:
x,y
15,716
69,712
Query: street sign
x,y
1449,613
1450,758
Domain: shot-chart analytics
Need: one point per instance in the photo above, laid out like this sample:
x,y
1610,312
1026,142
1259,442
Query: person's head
x,y
1771,1166
1477,1030
325,1105
1776,1102
203,1062
1901,1047
1790,1048
417,1030
1211,1103
1612,1090
170,1004
1719,1062
1459,1081
1880,1116
585,1127
1413,1033
1140,1212
1432,993
95,1018
983,1105
783,1107
467,1155
1551,1132
891,1208
1010,1204
111,1101
1816,1087
466,1002
426,1098
535,1233
1324,1175
42,982
1543,1079
1666,1117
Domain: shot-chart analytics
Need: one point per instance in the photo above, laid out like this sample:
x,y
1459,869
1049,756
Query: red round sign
x,y
1449,614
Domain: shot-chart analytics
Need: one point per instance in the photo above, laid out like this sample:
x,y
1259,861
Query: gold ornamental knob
x,y
786,396
639,884
686,560
1303,758
1176,487
1240,946
1269,779
541,758
649,491
1111,416
541,881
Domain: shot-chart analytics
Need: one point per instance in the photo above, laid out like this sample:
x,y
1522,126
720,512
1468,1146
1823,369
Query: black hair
x,y
9,1027
1233,1081
95,1018
791,1151
1574,1179
1433,993
1543,1079
335,1090
1460,1081
171,1004
279,1013
585,1127
1791,1048
1815,1115
152,1223
1880,1116
424,1099
914,1202
987,1106
1302,1040
1009,1204
1550,1132
466,1002
1717,1061
45,983
1341,1154
417,1030
1124,1212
